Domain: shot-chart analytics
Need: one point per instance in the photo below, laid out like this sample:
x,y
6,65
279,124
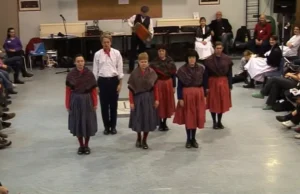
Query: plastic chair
x,y
39,50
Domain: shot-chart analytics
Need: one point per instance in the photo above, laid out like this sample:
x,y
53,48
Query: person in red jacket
x,y
144,100
81,103
262,33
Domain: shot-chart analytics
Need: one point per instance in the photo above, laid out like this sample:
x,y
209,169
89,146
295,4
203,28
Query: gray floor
x,y
253,155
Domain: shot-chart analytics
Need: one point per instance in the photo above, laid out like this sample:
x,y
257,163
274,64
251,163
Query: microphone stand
x,y
67,45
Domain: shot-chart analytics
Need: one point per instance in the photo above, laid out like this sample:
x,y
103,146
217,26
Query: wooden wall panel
x,y
110,9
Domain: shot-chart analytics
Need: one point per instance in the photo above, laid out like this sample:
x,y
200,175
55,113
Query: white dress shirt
x,y
105,65
295,41
131,24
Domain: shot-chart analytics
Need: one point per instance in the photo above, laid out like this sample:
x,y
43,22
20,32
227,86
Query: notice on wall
x,y
123,2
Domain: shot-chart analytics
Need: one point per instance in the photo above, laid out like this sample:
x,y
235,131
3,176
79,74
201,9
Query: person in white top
x,y
291,49
203,44
108,70
146,21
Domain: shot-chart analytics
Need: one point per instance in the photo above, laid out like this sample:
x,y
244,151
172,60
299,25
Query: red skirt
x,y
166,106
219,95
192,114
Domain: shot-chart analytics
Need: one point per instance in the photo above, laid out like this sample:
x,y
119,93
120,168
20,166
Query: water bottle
x,y
246,38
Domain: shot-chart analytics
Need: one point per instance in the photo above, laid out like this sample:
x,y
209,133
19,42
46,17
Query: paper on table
x,y
123,2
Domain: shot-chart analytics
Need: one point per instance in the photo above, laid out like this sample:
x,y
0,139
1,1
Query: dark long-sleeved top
x,y
275,56
208,74
180,86
220,26
14,43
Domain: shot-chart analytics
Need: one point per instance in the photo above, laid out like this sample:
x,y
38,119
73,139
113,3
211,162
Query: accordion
x,y
141,32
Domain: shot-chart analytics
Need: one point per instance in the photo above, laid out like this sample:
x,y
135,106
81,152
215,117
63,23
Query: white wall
x,y
234,10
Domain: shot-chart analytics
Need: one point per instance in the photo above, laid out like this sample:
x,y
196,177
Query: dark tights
x,y
86,143
213,115
163,121
145,135
190,134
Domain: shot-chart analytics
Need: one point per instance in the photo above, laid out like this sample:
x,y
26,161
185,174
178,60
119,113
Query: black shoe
x,y
220,125
113,131
138,143
249,86
166,128
4,143
194,143
80,150
3,135
27,74
215,126
282,118
188,144
5,109
6,125
8,116
145,145
106,131
18,82
161,126
11,91
8,97
8,102
87,150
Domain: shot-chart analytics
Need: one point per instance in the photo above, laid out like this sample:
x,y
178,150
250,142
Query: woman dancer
x,y
143,97
165,69
81,102
219,70
191,105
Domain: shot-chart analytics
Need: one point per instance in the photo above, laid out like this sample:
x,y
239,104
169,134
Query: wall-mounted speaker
x,y
284,6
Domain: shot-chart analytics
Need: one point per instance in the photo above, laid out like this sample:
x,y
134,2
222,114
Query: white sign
x,y
123,2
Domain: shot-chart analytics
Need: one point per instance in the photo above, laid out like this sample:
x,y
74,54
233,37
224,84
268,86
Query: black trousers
x,y
17,64
108,100
260,50
135,42
275,86
296,119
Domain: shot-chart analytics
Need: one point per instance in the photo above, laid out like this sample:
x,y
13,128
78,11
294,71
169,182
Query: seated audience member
x,y
3,190
12,44
262,33
17,64
257,66
203,44
221,31
290,51
275,87
7,84
242,75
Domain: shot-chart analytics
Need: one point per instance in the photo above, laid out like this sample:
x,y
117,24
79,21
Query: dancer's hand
x,y
204,43
132,106
156,103
95,107
205,100
181,102
4,66
174,89
119,88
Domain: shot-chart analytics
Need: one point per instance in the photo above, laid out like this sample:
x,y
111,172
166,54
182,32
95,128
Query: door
x,y
9,17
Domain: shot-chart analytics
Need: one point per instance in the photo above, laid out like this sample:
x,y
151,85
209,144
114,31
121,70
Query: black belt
x,y
108,78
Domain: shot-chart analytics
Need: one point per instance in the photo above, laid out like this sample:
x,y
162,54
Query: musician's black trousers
x,y
137,46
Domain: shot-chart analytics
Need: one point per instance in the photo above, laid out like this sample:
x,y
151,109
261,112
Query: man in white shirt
x,y
146,21
108,70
